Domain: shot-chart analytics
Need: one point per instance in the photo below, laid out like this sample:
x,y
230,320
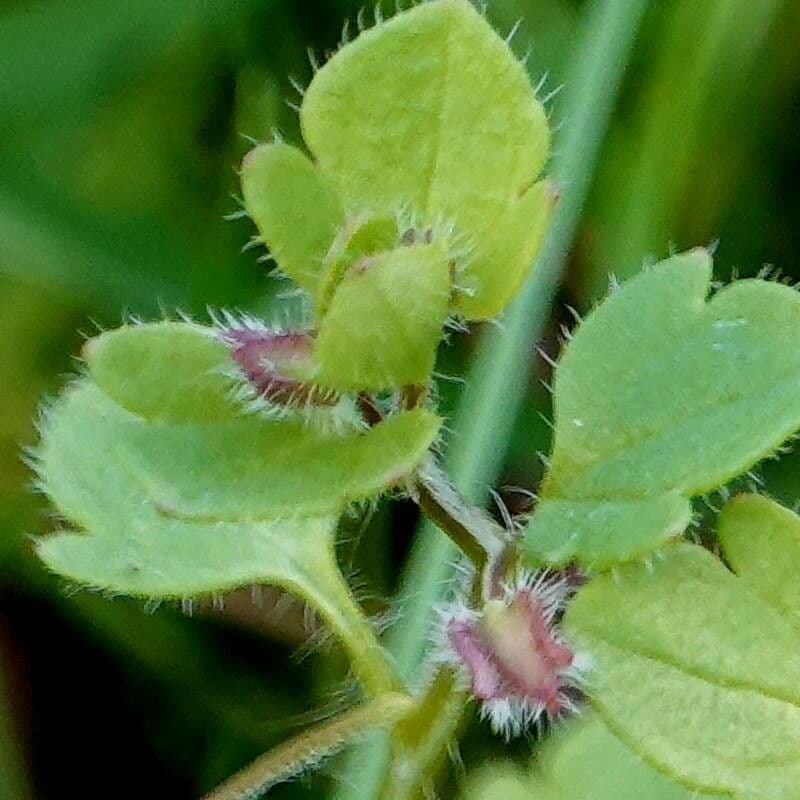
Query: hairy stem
x,y
422,738
485,543
371,662
309,748
485,420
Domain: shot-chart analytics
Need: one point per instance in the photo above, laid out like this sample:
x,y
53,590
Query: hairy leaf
x,y
761,541
695,673
385,319
663,395
297,212
432,113
164,371
167,510
244,470
363,235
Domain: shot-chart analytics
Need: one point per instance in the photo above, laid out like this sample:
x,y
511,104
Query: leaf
x,y
500,781
240,471
165,371
385,319
585,761
662,396
761,542
603,532
181,510
296,210
581,761
695,673
361,236
431,112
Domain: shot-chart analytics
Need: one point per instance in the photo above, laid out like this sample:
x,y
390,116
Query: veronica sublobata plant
x,y
188,459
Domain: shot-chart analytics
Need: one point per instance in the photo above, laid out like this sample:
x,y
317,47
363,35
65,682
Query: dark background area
x,y
121,127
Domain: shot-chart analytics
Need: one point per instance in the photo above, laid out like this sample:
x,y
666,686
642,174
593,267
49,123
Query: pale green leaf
x,y
361,236
164,371
385,319
604,532
176,510
585,761
499,782
661,396
761,541
581,761
695,673
432,113
296,210
243,470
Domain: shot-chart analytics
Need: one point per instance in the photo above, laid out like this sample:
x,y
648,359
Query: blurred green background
x,y
121,126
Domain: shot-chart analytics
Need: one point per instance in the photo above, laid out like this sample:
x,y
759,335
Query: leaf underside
x,y
663,395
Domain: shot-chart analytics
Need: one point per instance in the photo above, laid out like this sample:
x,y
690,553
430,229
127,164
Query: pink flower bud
x,y
277,364
517,664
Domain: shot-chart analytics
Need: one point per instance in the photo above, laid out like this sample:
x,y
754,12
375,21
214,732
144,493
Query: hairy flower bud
x,y
517,664
278,364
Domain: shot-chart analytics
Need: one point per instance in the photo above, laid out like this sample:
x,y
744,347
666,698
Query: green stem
x,y
421,738
310,747
332,599
481,539
485,419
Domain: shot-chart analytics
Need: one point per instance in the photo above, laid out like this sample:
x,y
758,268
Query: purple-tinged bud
x,y
516,662
277,365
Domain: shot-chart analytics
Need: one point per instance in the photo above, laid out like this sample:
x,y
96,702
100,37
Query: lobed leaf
x,y
246,469
384,321
761,542
431,112
663,395
164,371
174,510
296,210
695,673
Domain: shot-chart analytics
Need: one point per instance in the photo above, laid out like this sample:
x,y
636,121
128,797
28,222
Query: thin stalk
x,y
485,419
335,603
310,747
477,535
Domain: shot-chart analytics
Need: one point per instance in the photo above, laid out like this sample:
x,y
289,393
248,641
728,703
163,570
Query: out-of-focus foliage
x,y
120,130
